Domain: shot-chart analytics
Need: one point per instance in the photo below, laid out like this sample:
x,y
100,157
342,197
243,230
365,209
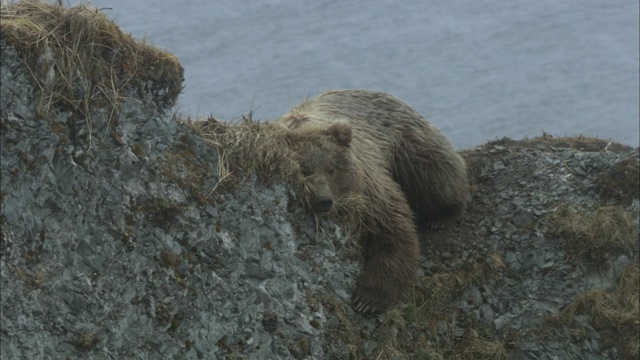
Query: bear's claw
x,y
436,225
366,309
368,304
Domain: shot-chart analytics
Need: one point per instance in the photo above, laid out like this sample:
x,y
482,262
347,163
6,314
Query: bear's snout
x,y
321,195
323,205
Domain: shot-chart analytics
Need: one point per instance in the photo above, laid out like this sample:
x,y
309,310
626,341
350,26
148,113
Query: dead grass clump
x,y
162,211
580,142
79,59
388,344
266,150
183,166
476,347
250,147
593,234
345,330
428,328
433,295
616,313
396,342
621,181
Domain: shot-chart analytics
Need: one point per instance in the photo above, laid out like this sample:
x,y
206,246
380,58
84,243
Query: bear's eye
x,y
331,170
305,172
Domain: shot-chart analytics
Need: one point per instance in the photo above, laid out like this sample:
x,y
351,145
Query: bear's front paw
x,y
437,225
370,299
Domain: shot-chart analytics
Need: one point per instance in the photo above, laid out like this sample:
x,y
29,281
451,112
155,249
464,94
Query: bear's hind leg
x,y
433,177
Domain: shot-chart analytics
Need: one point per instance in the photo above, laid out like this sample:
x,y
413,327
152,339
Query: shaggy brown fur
x,y
370,144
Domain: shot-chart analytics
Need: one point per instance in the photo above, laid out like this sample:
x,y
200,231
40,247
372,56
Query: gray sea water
x,y
478,69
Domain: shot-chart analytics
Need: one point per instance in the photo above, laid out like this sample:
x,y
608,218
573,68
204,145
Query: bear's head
x,y
326,164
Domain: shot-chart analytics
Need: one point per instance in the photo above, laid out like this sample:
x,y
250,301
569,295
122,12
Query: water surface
x,y
479,70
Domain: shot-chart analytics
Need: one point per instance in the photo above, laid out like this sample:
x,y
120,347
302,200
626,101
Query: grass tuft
x,y
265,149
593,234
620,183
79,59
615,313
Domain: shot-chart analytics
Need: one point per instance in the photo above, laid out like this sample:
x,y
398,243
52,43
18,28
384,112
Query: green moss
x,y
411,313
223,344
168,259
350,355
161,210
163,314
188,344
85,341
128,234
194,292
138,150
182,165
316,324
270,321
35,279
304,346
312,301
175,323
422,354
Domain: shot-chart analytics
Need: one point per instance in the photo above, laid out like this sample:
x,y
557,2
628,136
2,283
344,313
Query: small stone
x,y
486,313
523,218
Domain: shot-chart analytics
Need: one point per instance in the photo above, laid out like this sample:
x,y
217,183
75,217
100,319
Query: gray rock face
x,y
103,256
105,253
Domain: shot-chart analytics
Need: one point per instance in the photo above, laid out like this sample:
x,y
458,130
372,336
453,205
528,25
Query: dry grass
x,y
593,234
580,142
79,59
616,313
621,181
265,149
475,347
396,341
412,331
250,147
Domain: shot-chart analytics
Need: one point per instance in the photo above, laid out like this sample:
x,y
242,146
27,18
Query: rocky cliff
x,y
128,231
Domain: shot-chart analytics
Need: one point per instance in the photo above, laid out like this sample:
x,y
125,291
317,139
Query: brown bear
x,y
374,146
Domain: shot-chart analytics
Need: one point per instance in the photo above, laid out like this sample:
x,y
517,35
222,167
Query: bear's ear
x,y
341,132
